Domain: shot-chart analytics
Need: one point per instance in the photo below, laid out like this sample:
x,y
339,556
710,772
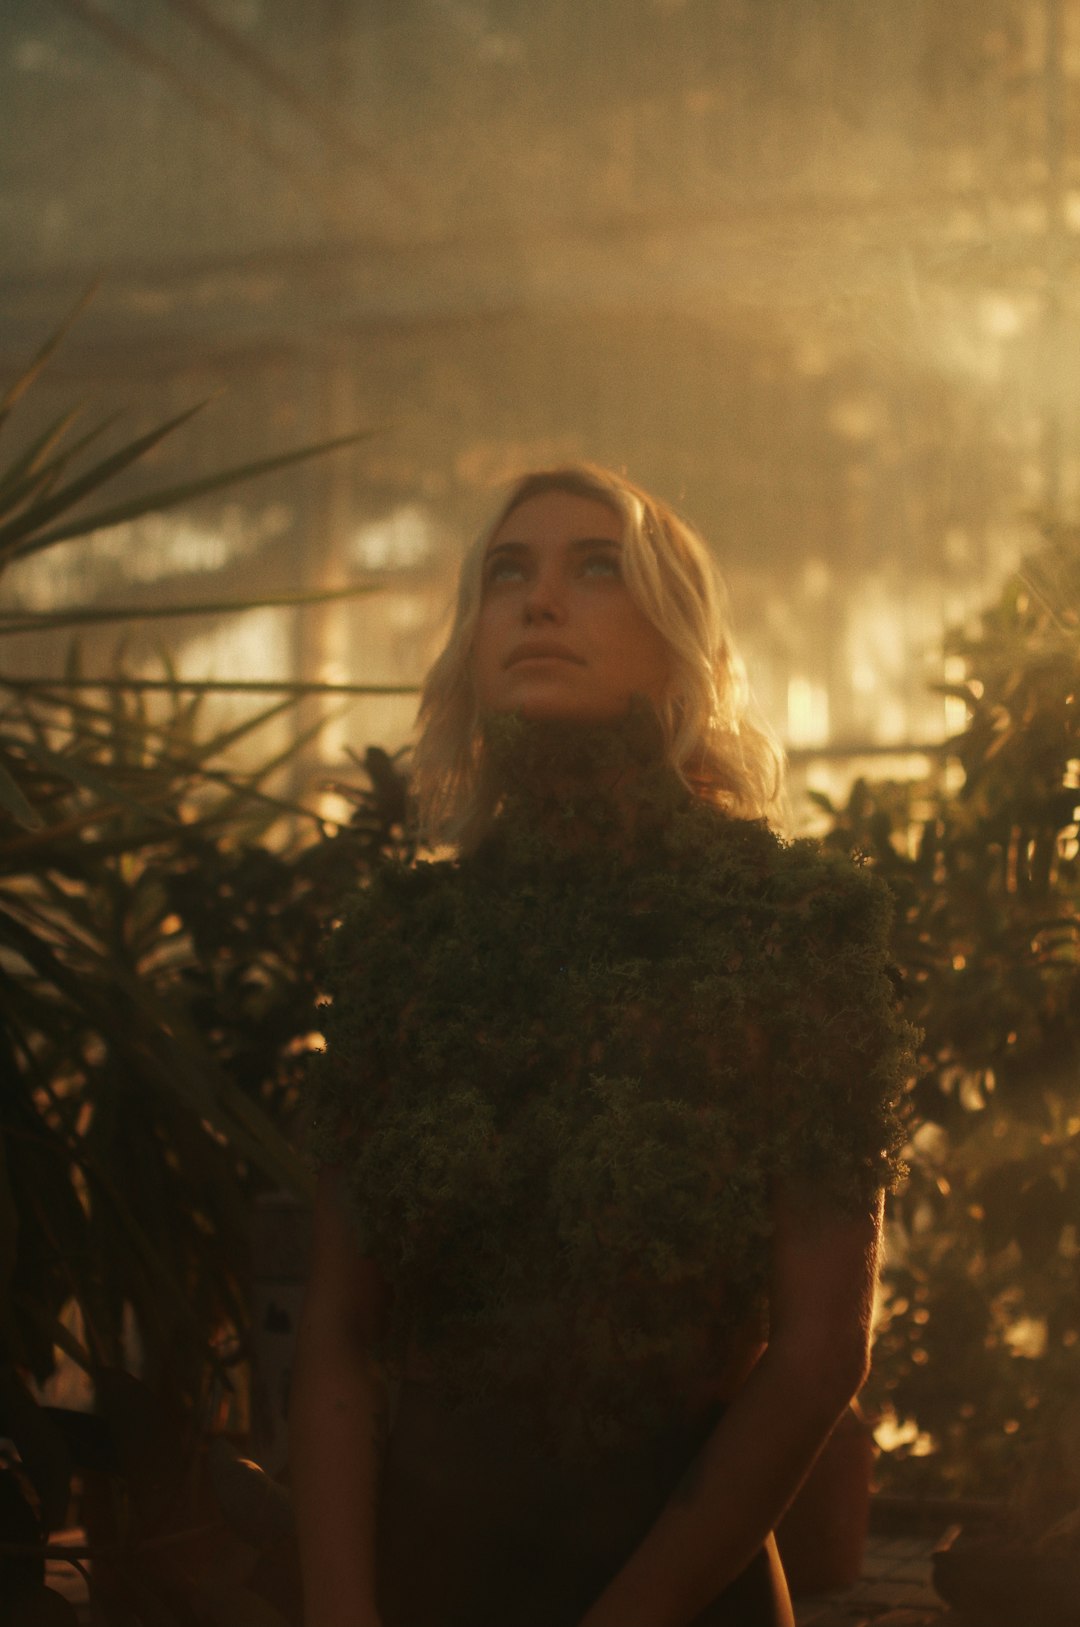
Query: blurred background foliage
x,y
976,1353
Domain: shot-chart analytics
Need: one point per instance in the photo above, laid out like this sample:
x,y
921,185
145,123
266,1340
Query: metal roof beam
x,y
323,121
218,112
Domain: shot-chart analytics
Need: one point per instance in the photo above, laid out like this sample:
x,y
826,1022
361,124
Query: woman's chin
x,y
567,709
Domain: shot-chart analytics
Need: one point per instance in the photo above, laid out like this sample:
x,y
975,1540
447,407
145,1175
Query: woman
x,y
607,1109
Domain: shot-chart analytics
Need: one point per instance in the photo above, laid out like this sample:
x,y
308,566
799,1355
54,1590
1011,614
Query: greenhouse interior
x,y
291,296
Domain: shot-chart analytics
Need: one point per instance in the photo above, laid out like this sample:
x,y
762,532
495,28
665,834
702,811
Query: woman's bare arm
x,y
336,1417
824,1266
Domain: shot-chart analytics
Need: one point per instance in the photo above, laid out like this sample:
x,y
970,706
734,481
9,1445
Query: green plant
x,y
980,1327
155,995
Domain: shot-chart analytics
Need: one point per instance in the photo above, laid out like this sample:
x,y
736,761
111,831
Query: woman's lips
x,y
542,652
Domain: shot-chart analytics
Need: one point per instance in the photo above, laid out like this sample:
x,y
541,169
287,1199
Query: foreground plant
x,y
155,996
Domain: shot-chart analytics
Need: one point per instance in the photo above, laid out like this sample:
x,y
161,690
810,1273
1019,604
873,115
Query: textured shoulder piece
x,y
843,1053
704,838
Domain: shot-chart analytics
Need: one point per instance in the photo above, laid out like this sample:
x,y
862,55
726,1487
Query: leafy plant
x,y
977,1348
155,996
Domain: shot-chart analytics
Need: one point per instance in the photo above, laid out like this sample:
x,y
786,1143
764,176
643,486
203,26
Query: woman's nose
x,y
545,599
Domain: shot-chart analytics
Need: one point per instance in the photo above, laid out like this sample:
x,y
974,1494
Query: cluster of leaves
x,y
178,1532
980,1326
156,989
154,1040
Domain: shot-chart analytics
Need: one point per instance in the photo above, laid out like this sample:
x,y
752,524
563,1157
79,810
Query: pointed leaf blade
x,y
14,802
79,773
170,496
39,361
43,479
17,535
30,461
26,621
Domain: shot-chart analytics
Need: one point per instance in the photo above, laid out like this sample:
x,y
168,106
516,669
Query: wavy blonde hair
x,y
714,738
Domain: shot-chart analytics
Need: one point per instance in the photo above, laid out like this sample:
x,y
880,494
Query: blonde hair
x,y
714,738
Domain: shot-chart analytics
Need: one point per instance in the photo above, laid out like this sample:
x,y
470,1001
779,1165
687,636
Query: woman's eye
x,y
600,565
504,570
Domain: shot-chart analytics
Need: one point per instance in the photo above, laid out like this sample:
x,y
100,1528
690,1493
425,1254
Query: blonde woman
x,y
604,1120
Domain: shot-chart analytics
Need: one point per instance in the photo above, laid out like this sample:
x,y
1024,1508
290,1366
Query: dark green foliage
x,y
19,1572
175,1533
153,1046
156,992
568,1068
169,996
981,1334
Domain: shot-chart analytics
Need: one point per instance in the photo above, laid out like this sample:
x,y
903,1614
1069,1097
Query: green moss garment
x,y
564,1075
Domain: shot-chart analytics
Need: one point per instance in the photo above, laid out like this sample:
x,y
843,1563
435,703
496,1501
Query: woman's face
x,y
558,634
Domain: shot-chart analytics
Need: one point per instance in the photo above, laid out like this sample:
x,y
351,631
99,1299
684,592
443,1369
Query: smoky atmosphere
x,y
539,813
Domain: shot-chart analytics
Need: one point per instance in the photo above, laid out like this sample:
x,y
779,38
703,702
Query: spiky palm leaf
x,y
100,808
156,989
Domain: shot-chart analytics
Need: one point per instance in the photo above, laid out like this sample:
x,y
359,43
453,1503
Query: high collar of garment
x,y
572,786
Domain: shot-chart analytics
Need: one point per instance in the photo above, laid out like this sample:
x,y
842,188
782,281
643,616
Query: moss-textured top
x,y
565,1072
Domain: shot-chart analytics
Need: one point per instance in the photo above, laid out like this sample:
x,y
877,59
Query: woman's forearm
x,y
336,1426
733,1494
